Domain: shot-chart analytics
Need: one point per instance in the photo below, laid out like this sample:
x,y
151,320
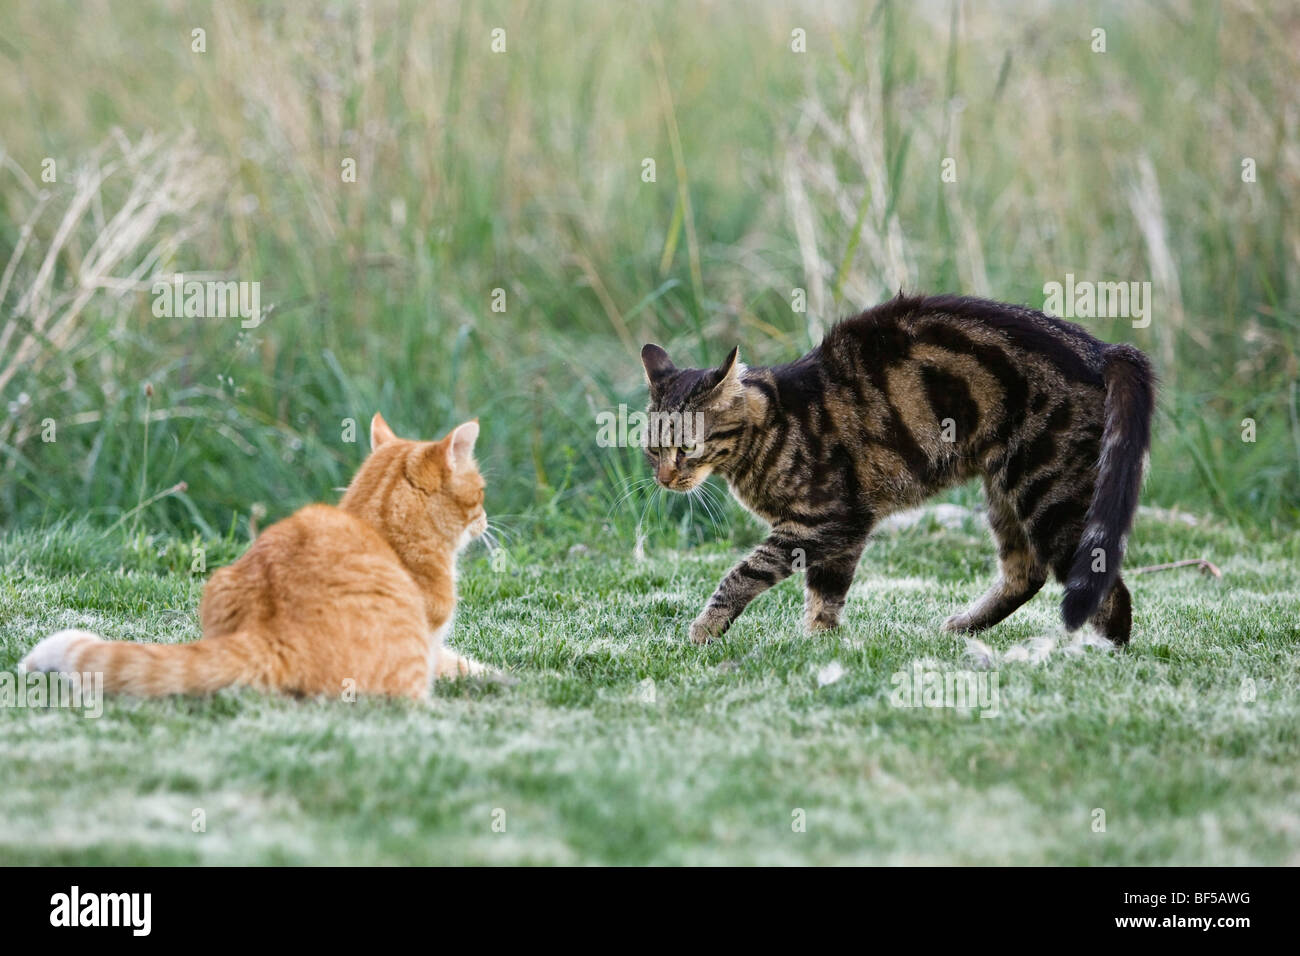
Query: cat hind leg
x,y
1020,574
1114,618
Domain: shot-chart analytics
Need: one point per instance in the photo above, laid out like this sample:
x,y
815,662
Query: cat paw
x,y
709,625
466,668
469,668
816,623
958,624
451,666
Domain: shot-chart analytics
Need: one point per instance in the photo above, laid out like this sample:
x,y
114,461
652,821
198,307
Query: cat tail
x,y
1125,438
149,670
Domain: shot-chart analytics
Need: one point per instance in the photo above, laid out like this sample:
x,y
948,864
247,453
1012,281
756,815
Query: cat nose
x,y
664,473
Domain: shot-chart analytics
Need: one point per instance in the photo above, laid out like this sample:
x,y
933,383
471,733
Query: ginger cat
x,y
364,592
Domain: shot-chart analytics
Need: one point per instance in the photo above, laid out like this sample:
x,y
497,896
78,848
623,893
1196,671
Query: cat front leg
x,y
768,564
826,583
451,666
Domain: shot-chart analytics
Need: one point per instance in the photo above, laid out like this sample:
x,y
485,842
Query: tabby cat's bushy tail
x,y
1126,436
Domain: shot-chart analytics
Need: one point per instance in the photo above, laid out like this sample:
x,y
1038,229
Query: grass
x,y
522,171
135,449
591,766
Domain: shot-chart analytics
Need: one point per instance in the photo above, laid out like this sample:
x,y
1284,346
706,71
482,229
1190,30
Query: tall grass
x,y
522,171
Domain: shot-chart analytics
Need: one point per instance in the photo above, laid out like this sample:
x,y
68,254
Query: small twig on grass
x,y
1201,563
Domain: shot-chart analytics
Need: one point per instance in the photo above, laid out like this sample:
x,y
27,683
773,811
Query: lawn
x,y
454,210
617,741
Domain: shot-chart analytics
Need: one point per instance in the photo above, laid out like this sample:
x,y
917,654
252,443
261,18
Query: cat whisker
x,y
719,502
711,507
649,504
630,491
499,532
487,541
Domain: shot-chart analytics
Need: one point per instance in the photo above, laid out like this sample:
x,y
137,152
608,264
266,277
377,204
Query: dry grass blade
x,y
154,191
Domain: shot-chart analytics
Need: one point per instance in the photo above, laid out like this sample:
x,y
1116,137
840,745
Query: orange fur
x,y
361,593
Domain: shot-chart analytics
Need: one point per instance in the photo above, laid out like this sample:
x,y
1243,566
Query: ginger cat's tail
x,y
147,670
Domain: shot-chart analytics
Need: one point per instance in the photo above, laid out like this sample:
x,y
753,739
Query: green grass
x,y
738,736
522,171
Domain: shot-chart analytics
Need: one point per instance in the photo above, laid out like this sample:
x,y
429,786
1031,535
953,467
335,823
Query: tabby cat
x,y
910,397
357,597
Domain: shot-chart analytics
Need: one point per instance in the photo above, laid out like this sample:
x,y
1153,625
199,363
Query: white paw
x,y
452,666
54,653
469,668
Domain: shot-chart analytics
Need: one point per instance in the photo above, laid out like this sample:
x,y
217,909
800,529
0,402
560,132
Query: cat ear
x,y
731,366
728,376
380,433
460,446
657,363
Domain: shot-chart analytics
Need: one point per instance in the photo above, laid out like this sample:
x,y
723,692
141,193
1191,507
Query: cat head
x,y
697,417
420,494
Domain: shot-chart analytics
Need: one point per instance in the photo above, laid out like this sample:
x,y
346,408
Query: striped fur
x,y
906,399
